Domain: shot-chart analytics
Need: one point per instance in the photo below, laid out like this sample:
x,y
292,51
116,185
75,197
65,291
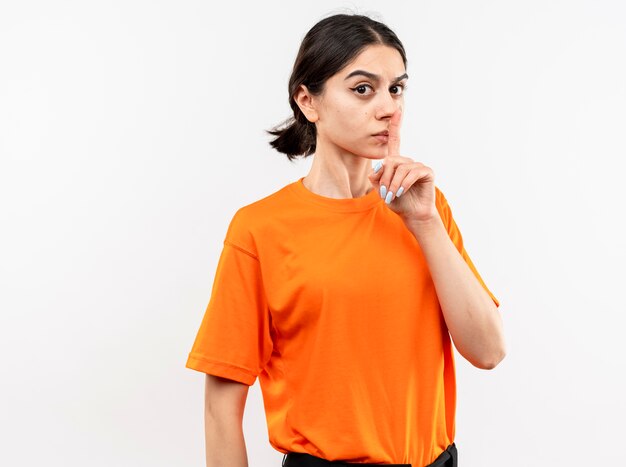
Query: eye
x,y
401,86
360,87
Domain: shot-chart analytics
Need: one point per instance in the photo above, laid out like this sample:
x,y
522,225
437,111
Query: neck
x,y
336,173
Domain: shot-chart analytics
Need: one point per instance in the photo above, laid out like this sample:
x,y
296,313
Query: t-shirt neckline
x,y
361,203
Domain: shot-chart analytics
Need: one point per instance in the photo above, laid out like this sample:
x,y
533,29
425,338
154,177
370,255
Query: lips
x,y
382,133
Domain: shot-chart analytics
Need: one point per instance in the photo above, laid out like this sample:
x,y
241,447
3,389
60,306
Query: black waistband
x,y
448,458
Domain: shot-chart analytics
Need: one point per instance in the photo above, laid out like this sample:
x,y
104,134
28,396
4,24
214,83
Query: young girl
x,y
342,290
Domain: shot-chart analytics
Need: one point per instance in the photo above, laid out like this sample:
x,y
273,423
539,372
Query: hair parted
x,y
328,46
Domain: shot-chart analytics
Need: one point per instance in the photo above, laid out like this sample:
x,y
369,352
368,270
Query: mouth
x,y
382,133
383,138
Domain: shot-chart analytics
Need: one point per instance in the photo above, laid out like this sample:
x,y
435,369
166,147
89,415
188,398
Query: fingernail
x,y
383,191
378,165
400,190
389,196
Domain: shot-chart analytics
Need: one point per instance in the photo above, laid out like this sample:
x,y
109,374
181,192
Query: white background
x,y
131,131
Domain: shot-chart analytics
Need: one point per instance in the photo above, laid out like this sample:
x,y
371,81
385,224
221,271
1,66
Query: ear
x,y
306,102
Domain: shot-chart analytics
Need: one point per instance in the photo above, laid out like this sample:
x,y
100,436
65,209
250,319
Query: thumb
x,y
376,173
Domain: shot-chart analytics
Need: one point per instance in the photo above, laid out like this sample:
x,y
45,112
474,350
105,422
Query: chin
x,y
369,153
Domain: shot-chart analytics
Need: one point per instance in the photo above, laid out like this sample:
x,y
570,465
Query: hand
x,y
416,200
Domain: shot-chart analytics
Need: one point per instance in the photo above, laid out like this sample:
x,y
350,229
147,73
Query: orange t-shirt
x,y
331,304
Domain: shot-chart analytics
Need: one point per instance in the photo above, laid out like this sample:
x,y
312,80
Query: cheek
x,y
349,122
353,119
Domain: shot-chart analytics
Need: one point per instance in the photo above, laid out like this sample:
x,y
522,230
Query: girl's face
x,y
358,102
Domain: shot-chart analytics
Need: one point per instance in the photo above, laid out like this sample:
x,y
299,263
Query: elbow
x,y
497,352
491,363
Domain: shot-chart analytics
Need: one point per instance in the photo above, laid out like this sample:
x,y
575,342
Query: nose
x,y
387,105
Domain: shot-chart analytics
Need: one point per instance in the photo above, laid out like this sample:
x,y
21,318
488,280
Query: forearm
x,y
471,316
225,444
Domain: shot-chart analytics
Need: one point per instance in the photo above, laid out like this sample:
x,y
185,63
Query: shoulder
x,y
251,220
441,204
439,196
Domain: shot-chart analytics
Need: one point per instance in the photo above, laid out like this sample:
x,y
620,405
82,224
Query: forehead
x,y
381,60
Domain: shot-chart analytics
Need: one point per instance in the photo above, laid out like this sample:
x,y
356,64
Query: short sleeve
x,y
234,340
455,235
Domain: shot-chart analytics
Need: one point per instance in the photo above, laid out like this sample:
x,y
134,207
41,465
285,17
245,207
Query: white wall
x,y
131,131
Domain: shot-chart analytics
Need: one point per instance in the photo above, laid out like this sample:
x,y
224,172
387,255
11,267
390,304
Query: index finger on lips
x,y
393,143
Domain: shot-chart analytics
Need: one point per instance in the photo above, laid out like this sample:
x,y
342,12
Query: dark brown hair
x,y
328,46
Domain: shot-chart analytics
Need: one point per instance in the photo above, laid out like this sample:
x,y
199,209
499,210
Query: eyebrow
x,y
373,76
